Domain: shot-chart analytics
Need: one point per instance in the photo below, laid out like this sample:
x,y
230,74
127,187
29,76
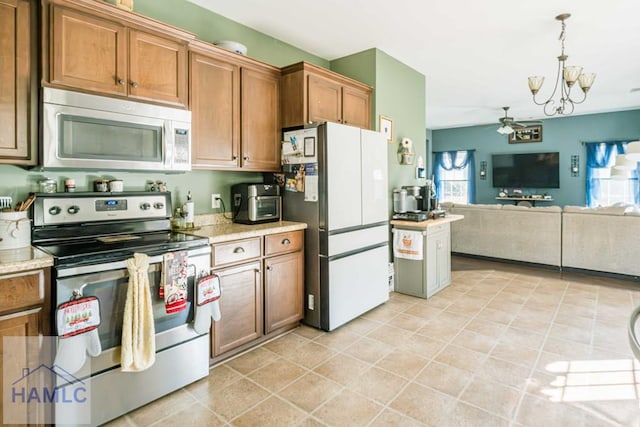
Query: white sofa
x,y
601,239
597,239
509,232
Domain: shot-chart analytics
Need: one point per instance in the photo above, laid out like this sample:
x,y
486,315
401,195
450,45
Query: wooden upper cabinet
x,y
356,107
260,120
235,111
88,52
17,99
95,47
215,108
325,99
315,94
157,68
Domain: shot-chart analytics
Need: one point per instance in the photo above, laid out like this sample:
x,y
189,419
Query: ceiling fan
x,y
509,125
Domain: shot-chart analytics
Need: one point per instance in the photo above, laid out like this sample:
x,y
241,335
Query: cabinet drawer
x,y
236,251
283,242
21,290
434,229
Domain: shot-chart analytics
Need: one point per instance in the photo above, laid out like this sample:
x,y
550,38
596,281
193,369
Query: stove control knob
x,y
145,206
73,209
54,210
158,205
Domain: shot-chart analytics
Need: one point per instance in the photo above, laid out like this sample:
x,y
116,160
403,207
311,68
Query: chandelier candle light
x,y
565,79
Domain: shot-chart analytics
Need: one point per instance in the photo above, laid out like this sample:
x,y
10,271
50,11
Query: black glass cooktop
x,y
119,247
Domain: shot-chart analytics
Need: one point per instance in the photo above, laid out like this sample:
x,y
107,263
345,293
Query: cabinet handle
x,y
121,81
246,158
268,268
286,241
234,158
238,250
134,84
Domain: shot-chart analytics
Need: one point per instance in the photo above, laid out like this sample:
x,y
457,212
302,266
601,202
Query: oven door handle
x,y
108,276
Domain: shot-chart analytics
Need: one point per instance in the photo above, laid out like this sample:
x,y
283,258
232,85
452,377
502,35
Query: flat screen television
x,y
526,170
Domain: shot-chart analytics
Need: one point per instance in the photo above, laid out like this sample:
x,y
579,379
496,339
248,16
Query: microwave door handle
x,y
167,143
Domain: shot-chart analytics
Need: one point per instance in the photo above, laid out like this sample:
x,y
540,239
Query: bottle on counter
x,y
69,185
188,209
177,221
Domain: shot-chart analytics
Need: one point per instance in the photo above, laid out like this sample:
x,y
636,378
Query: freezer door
x,y
342,172
357,283
375,198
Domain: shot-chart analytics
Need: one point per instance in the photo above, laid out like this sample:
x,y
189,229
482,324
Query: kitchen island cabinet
x,y
314,94
261,270
99,48
426,276
235,111
18,106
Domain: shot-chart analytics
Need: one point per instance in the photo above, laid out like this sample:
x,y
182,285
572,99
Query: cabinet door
x,y
260,120
88,52
283,290
18,325
240,307
157,69
15,62
215,108
443,247
356,107
325,100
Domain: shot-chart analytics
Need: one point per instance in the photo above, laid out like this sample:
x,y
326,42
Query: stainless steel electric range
x,y
90,236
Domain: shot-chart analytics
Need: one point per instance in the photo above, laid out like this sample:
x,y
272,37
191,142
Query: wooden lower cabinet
x,y
24,312
283,290
257,303
240,307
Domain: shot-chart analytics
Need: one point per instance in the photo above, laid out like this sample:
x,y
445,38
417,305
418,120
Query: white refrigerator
x,y
336,182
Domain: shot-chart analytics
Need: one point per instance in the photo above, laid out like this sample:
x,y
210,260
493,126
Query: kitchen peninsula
x,y
422,255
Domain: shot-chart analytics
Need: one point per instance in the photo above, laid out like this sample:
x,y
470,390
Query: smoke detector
x,y
232,46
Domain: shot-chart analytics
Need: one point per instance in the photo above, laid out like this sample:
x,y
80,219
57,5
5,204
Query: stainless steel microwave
x,y
83,131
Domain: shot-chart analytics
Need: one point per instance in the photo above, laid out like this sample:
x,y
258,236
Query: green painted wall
x,y
564,135
401,96
399,93
211,27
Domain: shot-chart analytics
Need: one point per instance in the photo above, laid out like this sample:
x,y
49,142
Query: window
x,y
602,189
454,176
613,191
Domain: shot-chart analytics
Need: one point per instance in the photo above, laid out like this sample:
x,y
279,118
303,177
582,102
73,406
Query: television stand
x,y
529,199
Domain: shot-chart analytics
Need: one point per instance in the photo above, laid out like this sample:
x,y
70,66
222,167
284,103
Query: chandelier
x,y
565,79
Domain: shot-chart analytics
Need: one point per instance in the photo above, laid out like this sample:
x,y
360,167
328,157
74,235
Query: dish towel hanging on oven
x,y
173,284
138,351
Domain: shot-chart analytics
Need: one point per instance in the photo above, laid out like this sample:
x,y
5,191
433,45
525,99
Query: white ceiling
x,y
475,55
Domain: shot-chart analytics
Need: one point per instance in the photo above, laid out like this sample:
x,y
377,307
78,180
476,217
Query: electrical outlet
x,y
310,302
215,201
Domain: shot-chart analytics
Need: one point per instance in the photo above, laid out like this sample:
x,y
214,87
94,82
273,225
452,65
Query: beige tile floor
x,y
504,345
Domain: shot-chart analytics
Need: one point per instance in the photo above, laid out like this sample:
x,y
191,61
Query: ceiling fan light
x,y
633,151
505,130
586,81
571,74
535,83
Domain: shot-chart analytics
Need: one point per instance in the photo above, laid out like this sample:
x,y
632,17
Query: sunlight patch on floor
x,y
593,380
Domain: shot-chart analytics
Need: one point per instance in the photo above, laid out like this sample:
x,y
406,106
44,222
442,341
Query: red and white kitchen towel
x,y
173,284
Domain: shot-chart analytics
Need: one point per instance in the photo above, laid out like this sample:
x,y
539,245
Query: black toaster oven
x,y
256,203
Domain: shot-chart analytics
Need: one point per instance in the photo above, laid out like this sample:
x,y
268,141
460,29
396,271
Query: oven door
x,y
109,283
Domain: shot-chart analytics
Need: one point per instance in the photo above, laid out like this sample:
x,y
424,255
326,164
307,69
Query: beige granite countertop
x,y
225,232
427,223
22,259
